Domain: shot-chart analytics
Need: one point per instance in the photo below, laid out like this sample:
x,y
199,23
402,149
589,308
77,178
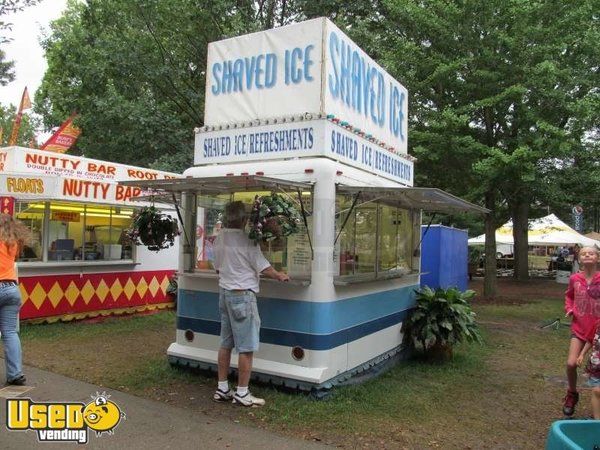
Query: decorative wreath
x,y
273,217
153,229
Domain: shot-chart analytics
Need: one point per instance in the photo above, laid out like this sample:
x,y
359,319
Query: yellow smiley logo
x,y
102,415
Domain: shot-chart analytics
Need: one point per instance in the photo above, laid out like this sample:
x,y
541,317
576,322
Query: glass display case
x,y
373,240
290,254
69,231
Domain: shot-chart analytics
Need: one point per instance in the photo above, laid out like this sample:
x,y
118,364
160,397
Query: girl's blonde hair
x,y
13,231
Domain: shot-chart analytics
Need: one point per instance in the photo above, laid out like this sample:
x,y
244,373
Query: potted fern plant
x,y
441,319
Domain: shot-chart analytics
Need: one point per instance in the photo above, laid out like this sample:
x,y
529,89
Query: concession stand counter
x,y
80,263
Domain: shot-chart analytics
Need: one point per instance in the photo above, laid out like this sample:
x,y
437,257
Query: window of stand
x,y
291,254
75,231
32,215
376,242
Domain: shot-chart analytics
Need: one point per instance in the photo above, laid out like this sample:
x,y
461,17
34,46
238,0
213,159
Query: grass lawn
x,y
502,394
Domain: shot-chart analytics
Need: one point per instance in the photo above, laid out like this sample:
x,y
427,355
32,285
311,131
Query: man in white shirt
x,y
239,262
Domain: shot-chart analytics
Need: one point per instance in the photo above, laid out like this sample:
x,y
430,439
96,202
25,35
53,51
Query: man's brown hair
x,y
235,215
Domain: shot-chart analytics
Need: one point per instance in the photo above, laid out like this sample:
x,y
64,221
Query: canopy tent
x,y
593,235
547,231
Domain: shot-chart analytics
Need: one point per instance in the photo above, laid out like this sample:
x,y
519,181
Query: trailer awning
x,y
217,185
427,199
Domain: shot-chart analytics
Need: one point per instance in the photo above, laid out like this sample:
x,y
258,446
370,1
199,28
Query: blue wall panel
x,y
444,257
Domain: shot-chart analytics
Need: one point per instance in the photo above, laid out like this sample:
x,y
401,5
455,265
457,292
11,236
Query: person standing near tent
x,y
13,236
582,304
576,249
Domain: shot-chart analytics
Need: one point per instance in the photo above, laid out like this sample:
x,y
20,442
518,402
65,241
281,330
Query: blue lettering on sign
x,y
281,141
386,163
334,51
260,71
217,146
297,65
397,100
271,70
360,85
344,146
256,72
263,142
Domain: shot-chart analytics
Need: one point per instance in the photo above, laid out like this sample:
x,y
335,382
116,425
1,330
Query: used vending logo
x,y
64,421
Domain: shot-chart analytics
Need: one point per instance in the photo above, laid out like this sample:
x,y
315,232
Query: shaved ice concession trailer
x,y
303,112
80,263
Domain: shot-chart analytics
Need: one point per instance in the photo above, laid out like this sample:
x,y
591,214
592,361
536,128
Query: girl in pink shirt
x,y
582,303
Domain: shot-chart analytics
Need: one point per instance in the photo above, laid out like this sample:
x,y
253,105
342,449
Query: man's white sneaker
x,y
248,400
220,396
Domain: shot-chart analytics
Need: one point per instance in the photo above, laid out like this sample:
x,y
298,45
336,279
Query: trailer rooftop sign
x,y
308,67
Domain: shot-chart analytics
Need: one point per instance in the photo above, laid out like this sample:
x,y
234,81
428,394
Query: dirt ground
x,y
518,394
512,292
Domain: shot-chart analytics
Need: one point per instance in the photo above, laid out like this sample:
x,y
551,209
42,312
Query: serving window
x,y
373,239
32,216
291,254
64,231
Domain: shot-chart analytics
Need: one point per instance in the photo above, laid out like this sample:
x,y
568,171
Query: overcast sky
x,y
25,49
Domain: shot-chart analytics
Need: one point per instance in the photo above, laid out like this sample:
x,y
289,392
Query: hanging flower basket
x,y
153,229
273,217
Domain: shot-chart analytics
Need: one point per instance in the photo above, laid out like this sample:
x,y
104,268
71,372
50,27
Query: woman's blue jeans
x,y
10,304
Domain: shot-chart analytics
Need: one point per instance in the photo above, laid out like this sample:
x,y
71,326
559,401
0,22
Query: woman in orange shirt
x,y
13,235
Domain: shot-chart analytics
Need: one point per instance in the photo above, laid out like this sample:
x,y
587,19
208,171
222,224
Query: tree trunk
x,y
490,282
520,216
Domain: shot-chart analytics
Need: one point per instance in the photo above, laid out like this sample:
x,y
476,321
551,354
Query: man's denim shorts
x,y
240,322
593,381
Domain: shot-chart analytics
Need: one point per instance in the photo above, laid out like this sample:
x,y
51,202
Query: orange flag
x,y
64,137
25,104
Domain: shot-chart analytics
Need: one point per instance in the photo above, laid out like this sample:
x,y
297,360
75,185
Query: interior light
x,y
114,216
89,211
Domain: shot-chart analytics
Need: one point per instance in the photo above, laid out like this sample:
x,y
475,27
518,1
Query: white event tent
x,y
545,231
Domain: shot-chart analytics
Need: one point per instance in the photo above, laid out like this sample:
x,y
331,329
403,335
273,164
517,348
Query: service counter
x,y
80,262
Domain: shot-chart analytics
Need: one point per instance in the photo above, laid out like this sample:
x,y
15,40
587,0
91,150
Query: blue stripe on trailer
x,y
304,340
305,316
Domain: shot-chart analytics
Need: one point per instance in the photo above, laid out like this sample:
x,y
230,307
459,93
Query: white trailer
x,y
355,266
